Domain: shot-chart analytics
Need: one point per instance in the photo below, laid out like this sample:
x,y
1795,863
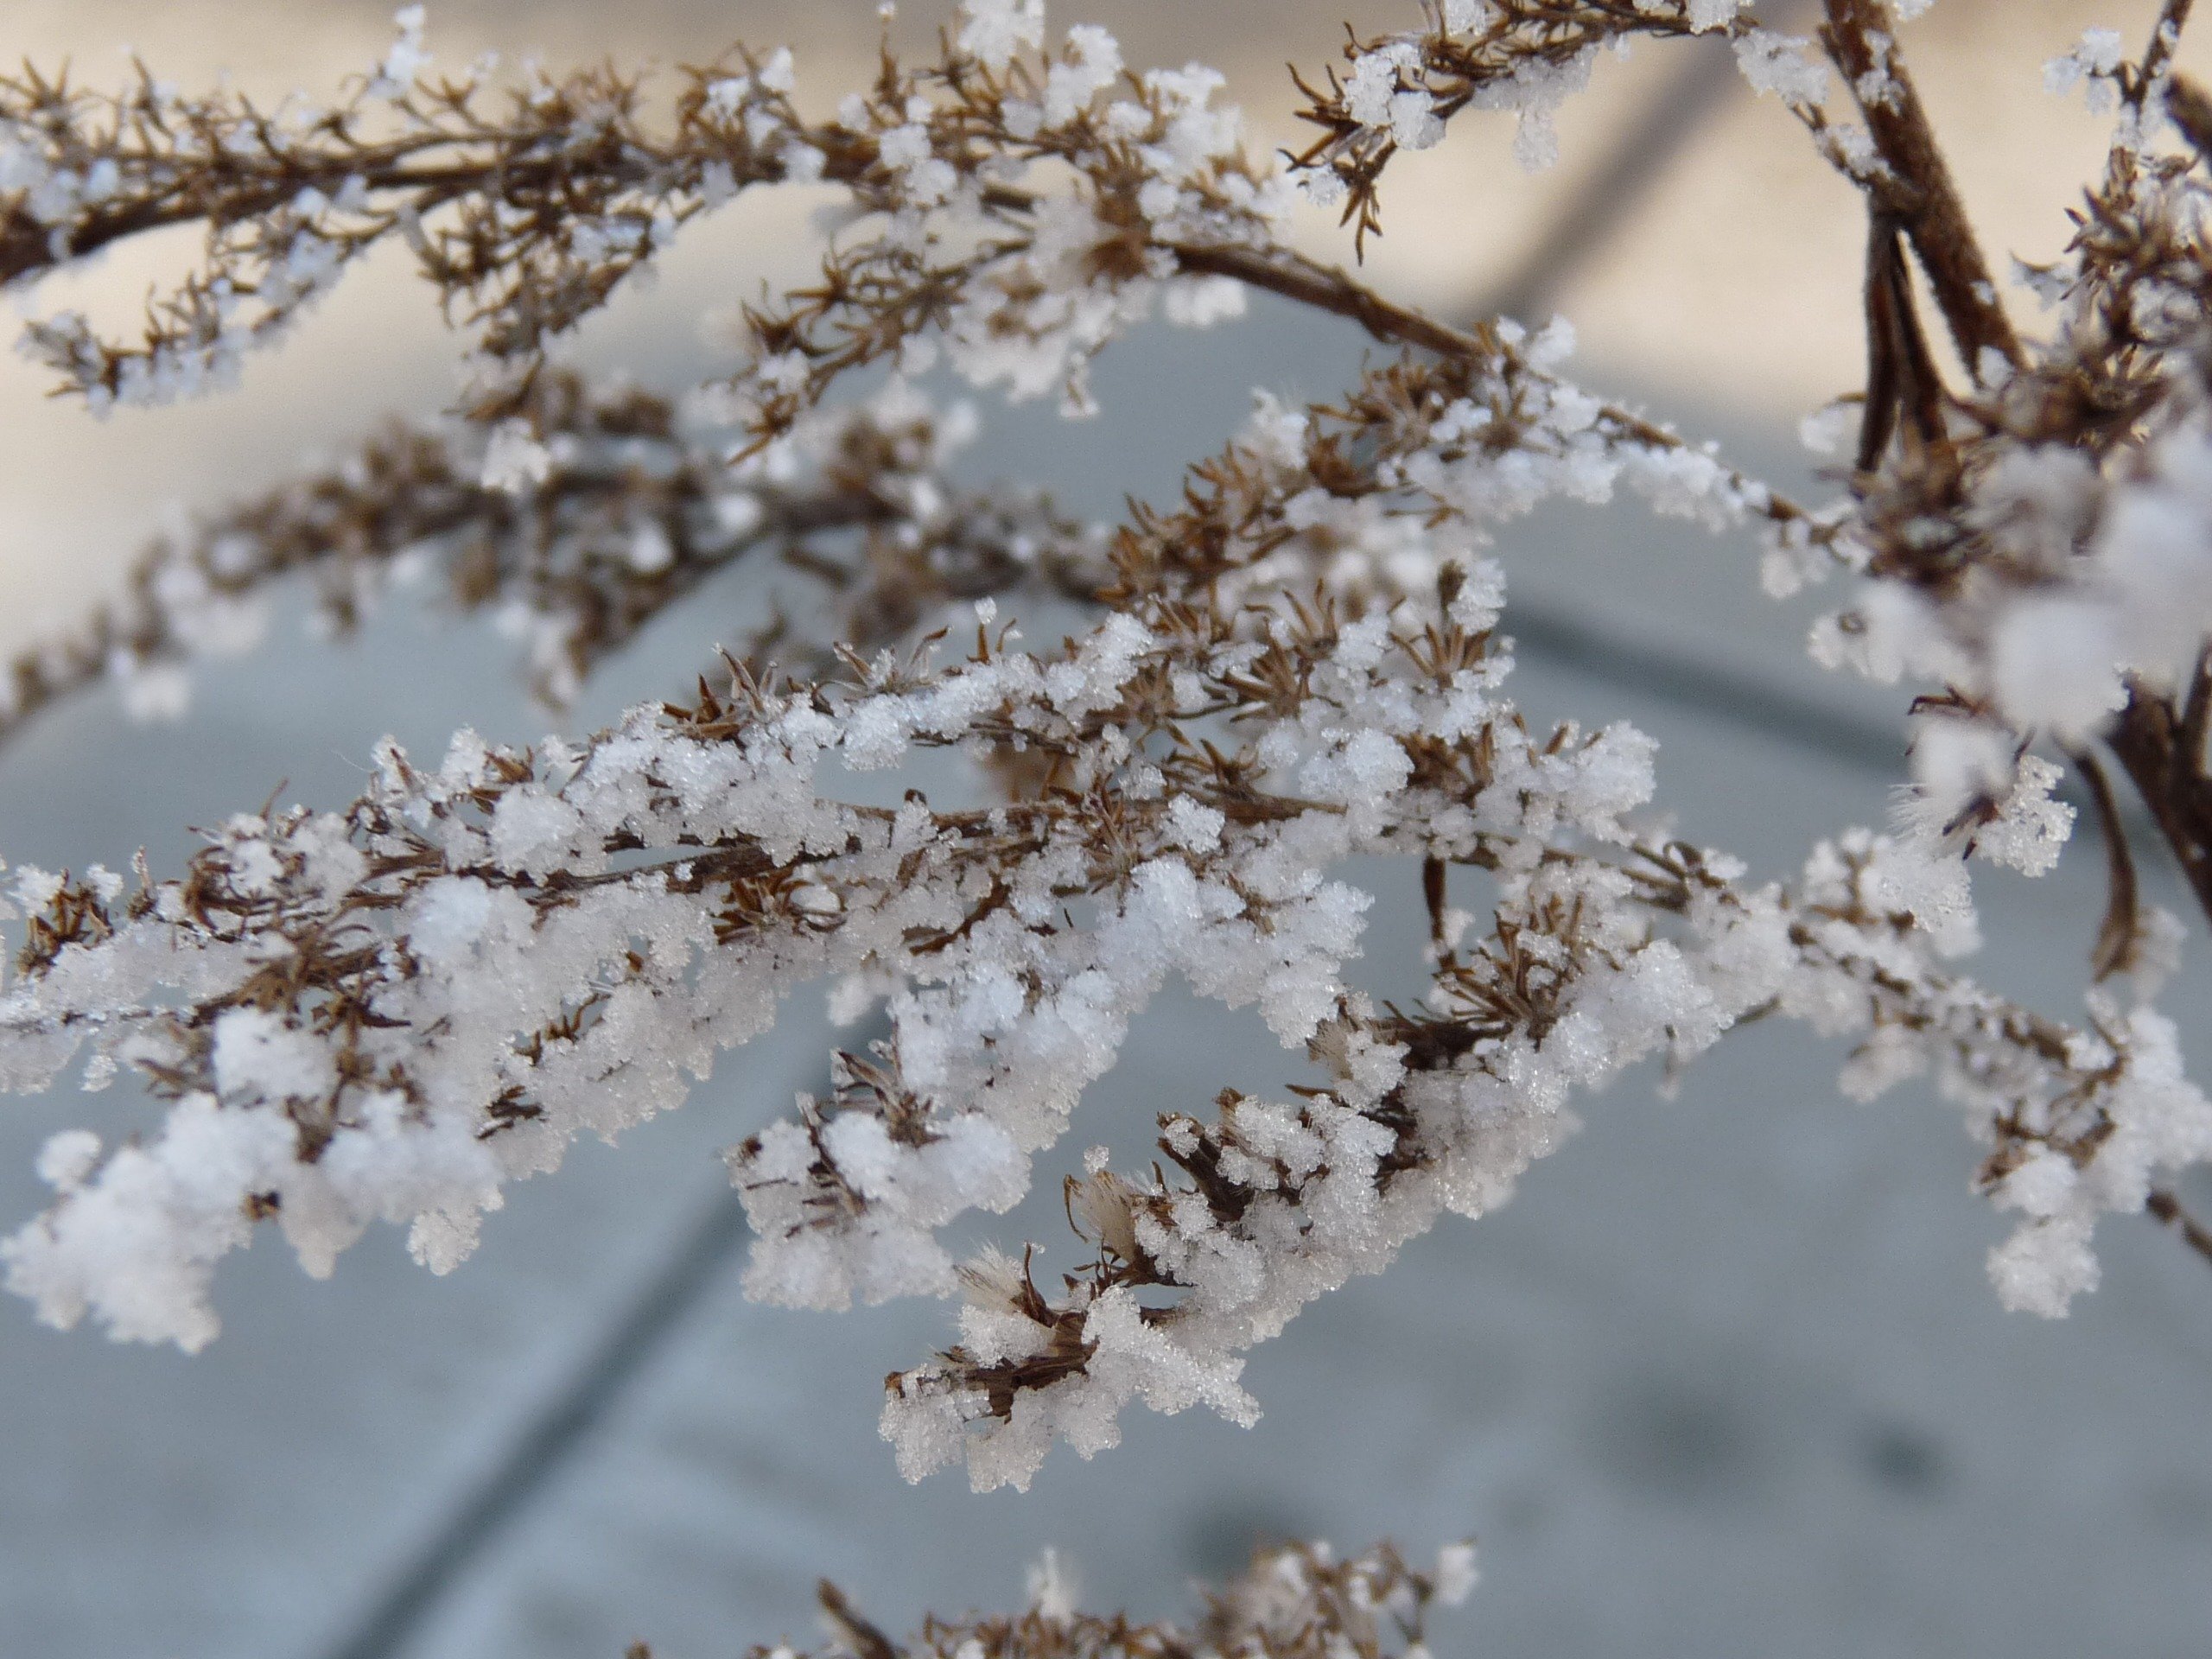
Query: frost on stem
x,y
1400,91
1294,1601
527,205
391,1010
637,507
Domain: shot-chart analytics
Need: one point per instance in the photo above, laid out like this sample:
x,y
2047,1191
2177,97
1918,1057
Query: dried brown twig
x,y
1294,1601
632,515
1913,187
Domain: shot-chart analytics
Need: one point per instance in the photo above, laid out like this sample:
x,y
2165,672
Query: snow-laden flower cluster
x,y
2044,572
631,507
2084,584
1400,91
390,1012
1013,284
529,218
1295,677
1294,1601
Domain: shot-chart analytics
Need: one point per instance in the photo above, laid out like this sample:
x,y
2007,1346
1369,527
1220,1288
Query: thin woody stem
x,y
2150,743
2158,55
1310,283
1861,39
2162,1204
2119,936
1328,289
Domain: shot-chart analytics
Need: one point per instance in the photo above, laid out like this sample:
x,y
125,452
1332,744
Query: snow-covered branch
x,y
1294,1601
1401,91
574,526
390,1011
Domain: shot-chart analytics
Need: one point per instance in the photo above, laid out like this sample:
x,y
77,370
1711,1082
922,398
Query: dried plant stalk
x,y
389,1010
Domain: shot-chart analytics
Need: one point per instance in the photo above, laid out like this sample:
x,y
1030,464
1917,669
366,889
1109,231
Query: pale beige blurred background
x,y
1730,281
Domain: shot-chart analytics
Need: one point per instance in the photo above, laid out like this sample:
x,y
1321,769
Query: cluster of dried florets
x,y
527,216
1400,91
391,1010
577,525
1298,1601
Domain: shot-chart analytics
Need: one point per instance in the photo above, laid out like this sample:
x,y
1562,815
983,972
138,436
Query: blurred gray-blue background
x,y
1725,1379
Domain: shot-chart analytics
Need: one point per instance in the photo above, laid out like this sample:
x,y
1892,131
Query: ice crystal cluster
x,y
388,1009
1299,1601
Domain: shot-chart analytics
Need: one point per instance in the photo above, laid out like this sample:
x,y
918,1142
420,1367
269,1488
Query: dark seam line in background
x,y
552,1439
1742,699
560,1428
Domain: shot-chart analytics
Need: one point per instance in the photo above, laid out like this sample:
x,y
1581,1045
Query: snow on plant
x,y
388,1009
1298,1601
